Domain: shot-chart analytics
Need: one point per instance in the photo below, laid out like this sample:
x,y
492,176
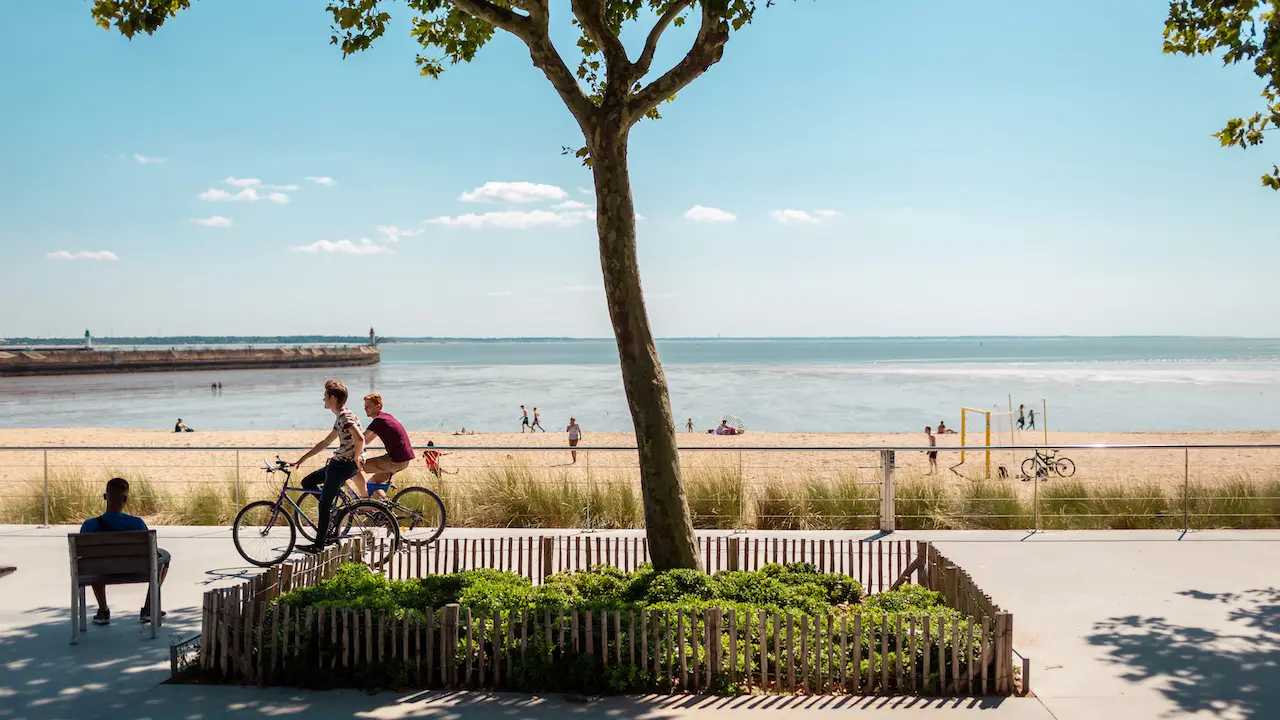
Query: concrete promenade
x,y
1119,624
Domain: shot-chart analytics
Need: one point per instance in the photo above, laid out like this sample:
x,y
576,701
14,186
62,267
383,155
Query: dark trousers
x,y
329,479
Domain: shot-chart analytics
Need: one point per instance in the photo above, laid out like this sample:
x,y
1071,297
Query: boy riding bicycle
x,y
345,463
394,438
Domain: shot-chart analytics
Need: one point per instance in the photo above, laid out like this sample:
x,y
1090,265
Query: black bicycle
x,y
1044,464
265,532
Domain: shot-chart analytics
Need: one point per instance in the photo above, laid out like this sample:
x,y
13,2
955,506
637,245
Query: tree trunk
x,y
666,510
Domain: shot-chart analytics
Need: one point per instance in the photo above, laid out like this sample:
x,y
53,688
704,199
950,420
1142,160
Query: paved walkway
x,y
1140,624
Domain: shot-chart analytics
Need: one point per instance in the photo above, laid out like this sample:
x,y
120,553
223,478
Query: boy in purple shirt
x,y
115,519
396,440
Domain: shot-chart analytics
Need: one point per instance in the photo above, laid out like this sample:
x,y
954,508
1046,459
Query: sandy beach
x,y
166,461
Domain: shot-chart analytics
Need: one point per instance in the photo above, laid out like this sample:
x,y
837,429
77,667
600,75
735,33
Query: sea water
x,y
820,385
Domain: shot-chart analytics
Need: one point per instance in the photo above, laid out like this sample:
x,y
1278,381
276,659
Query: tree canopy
x,y
1244,31
605,87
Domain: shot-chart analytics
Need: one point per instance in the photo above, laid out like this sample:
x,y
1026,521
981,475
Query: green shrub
x,y
905,599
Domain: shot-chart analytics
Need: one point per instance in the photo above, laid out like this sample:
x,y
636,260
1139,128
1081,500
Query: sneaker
x,y
145,615
102,617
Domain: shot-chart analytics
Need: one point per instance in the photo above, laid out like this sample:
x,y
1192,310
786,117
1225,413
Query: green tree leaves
x,y
1244,31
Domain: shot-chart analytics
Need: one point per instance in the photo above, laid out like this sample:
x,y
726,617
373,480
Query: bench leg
x,y
75,613
84,612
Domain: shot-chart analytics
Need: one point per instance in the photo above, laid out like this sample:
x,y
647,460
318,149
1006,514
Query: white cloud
x,y
215,221
245,195
321,180
243,182
792,216
83,255
149,160
569,205
510,193
499,293
342,247
391,233
701,213
586,191
581,288
514,219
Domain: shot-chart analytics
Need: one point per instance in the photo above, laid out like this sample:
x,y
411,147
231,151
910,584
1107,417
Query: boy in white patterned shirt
x,y
347,460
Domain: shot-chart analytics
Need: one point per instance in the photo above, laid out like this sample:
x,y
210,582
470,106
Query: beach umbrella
x,y
734,422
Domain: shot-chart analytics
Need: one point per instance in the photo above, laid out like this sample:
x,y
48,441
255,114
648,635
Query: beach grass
x,y
518,494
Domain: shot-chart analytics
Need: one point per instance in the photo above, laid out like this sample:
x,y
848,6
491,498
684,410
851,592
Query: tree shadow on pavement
x,y
42,675
1230,672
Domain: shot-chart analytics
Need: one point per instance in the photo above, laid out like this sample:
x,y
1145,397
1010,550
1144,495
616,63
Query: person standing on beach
x,y
347,460
933,454
524,420
537,422
575,434
688,425
1031,419
1022,419
394,438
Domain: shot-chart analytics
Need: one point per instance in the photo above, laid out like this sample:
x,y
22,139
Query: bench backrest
x,y
120,557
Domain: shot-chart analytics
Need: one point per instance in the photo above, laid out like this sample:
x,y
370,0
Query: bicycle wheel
x,y
263,534
420,514
1031,468
309,507
371,520
1064,467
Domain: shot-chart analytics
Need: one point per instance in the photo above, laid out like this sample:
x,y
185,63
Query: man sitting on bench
x,y
116,520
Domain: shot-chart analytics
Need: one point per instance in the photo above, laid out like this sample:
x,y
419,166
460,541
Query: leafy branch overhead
x,y
1244,31
607,93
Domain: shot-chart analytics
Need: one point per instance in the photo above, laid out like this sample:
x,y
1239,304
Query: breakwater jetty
x,y
85,361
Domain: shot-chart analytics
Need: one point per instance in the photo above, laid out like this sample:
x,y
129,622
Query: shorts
x,y
573,442
524,421
933,455
372,488
384,464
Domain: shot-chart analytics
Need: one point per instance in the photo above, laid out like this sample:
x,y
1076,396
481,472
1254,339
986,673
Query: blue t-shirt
x,y
116,522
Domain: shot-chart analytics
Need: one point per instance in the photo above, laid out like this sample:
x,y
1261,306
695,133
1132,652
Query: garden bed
x,y
782,628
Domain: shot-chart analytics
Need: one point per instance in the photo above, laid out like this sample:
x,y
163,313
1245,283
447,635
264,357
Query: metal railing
x,y
1160,485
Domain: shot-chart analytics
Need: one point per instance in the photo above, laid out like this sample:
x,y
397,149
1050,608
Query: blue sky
x,y
999,167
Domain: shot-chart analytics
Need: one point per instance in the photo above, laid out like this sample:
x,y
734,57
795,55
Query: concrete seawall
x,y
87,361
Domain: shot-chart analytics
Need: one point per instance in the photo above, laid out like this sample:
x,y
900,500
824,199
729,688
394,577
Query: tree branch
x,y
708,48
519,25
591,15
545,57
651,43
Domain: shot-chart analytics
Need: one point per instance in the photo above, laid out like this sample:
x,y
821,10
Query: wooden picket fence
x,y
248,638
876,564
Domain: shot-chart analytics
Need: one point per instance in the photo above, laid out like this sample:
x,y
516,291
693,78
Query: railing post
x,y
1035,503
46,488
1186,489
237,478
887,512
733,545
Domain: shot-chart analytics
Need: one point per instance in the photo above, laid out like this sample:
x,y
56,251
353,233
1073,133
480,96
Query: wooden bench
x,y
112,558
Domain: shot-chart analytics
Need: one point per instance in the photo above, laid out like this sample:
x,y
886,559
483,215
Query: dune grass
x,y
518,494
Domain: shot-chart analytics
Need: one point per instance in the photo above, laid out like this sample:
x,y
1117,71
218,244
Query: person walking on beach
x,y
378,470
1031,419
575,434
1022,418
688,425
524,420
537,422
933,454
347,459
